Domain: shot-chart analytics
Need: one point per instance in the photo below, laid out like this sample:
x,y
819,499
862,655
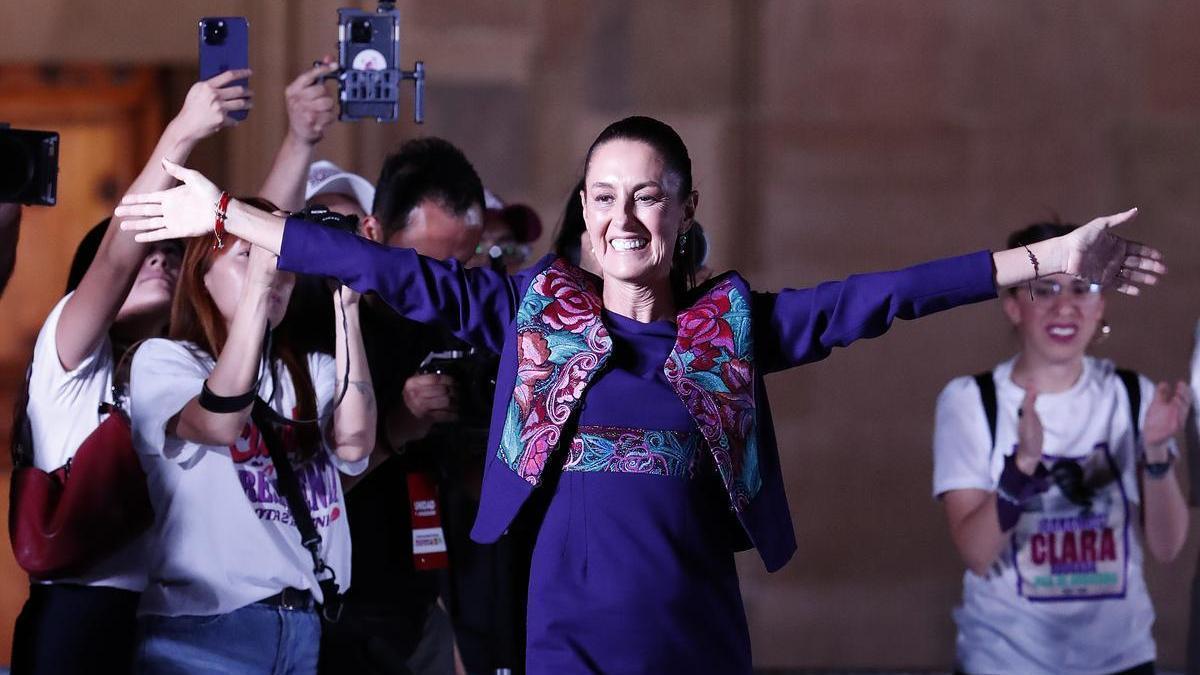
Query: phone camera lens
x,y
360,31
215,32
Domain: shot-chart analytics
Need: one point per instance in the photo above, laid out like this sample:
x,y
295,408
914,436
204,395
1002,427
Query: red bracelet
x,y
219,225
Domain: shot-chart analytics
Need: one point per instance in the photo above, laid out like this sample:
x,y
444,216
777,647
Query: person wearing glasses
x,y
1052,487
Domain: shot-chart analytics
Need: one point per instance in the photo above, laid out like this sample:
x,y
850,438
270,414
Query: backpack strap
x,y
987,395
1133,389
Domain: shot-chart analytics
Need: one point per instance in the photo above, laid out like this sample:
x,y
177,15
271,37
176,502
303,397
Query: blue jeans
x,y
254,639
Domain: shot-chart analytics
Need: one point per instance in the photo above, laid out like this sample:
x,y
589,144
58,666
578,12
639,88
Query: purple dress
x,y
644,466
632,571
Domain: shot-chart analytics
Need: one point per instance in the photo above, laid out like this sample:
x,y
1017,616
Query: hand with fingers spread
x,y
1166,416
1029,434
310,104
208,104
1095,254
187,210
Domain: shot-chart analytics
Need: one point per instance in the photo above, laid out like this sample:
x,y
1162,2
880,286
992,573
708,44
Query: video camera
x,y
370,75
28,166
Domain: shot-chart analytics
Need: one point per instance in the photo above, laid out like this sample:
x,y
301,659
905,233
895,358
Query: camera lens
x,y
360,31
215,32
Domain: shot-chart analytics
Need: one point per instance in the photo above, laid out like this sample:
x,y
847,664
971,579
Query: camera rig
x,y
370,77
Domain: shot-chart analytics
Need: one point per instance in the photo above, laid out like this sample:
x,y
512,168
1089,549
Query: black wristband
x,y
224,404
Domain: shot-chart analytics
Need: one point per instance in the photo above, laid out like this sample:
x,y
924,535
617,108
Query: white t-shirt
x,y
1066,596
64,408
223,537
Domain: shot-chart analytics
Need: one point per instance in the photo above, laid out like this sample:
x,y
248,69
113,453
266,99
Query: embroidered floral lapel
x,y
561,345
711,368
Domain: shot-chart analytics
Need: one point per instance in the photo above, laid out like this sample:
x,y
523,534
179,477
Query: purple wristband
x,y
1015,489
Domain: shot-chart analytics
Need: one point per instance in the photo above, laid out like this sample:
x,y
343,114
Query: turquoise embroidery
x,y
711,368
627,450
561,344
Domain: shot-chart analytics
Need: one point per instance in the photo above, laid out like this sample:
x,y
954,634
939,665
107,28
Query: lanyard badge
x,y
428,538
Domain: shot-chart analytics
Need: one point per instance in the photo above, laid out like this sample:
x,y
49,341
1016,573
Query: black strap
x,y
1129,378
987,394
289,486
1133,389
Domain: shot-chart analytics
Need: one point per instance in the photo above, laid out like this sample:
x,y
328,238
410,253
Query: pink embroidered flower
x,y
533,354
704,331
572,308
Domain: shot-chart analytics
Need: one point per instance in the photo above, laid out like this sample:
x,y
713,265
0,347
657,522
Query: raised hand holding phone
x,y
225,46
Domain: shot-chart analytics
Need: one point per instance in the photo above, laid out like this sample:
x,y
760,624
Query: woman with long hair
x,y
232,587
1053,468
119,292
631,424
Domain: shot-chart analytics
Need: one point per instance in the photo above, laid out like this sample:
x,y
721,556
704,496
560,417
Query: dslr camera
x,y
28,166
321,215
474,372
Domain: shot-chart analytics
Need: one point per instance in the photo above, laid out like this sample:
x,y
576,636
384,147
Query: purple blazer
x,y
546,324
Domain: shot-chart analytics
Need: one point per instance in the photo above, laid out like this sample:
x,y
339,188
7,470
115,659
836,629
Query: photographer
x,y
427,197
10,230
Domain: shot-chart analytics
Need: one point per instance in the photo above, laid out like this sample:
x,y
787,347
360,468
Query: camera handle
x,y
417,75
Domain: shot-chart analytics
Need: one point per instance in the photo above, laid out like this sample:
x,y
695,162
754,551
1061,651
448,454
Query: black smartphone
x,y
225,45
369,53
28,166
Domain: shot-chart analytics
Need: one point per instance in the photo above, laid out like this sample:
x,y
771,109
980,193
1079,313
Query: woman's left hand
x,y
1093,253
187,210
1167,414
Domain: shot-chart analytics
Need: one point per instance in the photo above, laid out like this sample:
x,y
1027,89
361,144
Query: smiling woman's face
x,y
633,212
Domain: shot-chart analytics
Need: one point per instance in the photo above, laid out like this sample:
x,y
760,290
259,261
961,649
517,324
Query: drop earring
x,y
1103,334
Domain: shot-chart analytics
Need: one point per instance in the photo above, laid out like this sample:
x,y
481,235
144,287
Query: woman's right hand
x,y
187,210
1029,434
208,104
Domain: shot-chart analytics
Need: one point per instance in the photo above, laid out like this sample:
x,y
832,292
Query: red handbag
x,y
63,522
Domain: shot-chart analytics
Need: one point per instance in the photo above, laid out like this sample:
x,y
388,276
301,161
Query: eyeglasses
x,y
1046,291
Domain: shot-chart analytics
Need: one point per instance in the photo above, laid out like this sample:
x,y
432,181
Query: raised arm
x,y
477,305
352,434
90,312
1164,510
310,109
237,368
799,326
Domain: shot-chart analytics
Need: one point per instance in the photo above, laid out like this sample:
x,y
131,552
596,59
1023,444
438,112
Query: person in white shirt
x,y
1050,495
231,586
119,293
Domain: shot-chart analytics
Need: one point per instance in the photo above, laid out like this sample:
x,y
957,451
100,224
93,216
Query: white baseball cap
x,y
325,177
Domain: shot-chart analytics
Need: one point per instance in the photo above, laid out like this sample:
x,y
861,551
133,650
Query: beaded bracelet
x,y
219,225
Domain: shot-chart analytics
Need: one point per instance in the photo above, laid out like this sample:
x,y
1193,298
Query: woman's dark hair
x,y
424,168
691,246
85,253
571,227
